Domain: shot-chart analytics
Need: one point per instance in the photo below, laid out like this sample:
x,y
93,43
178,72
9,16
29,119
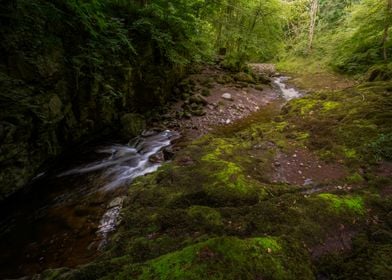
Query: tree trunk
x,y
386,29
313,19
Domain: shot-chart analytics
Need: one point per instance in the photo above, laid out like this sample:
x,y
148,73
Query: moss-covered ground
x,y
212,214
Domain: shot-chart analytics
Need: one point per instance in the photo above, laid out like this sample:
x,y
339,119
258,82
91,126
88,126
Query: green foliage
x,y
361,37
350,36
248,30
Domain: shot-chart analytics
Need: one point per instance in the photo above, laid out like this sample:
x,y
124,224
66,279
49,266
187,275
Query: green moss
x,y
281,126
226,173
354,178
222,147
231,176
330,105
302,136
269,243
350,153
351,203
303,105
178,221
229,258
205,215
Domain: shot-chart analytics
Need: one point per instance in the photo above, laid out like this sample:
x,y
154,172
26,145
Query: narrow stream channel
x,y
65,218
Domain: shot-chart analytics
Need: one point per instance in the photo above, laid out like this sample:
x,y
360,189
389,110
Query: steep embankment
x,y
301,193
68,71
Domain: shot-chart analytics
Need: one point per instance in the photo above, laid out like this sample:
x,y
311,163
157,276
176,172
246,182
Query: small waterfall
x,y
288,93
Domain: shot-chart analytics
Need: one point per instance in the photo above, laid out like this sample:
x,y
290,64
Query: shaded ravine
x,y
64,218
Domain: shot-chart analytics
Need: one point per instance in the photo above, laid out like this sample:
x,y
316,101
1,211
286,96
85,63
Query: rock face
x,y
132,124
54,94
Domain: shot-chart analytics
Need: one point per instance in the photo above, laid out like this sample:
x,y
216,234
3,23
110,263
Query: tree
x,y
313,18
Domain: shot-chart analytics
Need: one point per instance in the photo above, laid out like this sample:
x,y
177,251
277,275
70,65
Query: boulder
x,y
243,77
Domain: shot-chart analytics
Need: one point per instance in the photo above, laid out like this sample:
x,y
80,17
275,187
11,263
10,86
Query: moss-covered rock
x,y
243,77
228,258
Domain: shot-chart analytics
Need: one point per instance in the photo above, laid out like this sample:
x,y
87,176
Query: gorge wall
x,y
65,75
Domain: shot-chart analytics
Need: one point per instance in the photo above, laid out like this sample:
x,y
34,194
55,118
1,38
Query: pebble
x,y
227,96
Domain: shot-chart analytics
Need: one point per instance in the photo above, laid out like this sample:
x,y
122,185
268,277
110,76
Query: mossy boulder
x,y
228,258
243,77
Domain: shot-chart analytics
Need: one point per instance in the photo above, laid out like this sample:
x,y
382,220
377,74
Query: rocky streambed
x,y
65,216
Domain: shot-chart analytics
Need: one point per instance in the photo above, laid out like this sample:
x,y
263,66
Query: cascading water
x,y
126,162
67,217
288,93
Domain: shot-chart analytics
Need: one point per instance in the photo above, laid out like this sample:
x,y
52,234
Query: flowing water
x,y
64,219
288,92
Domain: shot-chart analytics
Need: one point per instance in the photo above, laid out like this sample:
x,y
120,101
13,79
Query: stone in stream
x,y
157,158
116,202
227,96
308,182
168,153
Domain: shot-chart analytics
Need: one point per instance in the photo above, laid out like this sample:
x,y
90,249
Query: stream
x,y
65,218
287,92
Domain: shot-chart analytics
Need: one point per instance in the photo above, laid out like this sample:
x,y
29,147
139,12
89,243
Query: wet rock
x,y
150,132
157,158
308,182
168,153
116,202
264,79
227,96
